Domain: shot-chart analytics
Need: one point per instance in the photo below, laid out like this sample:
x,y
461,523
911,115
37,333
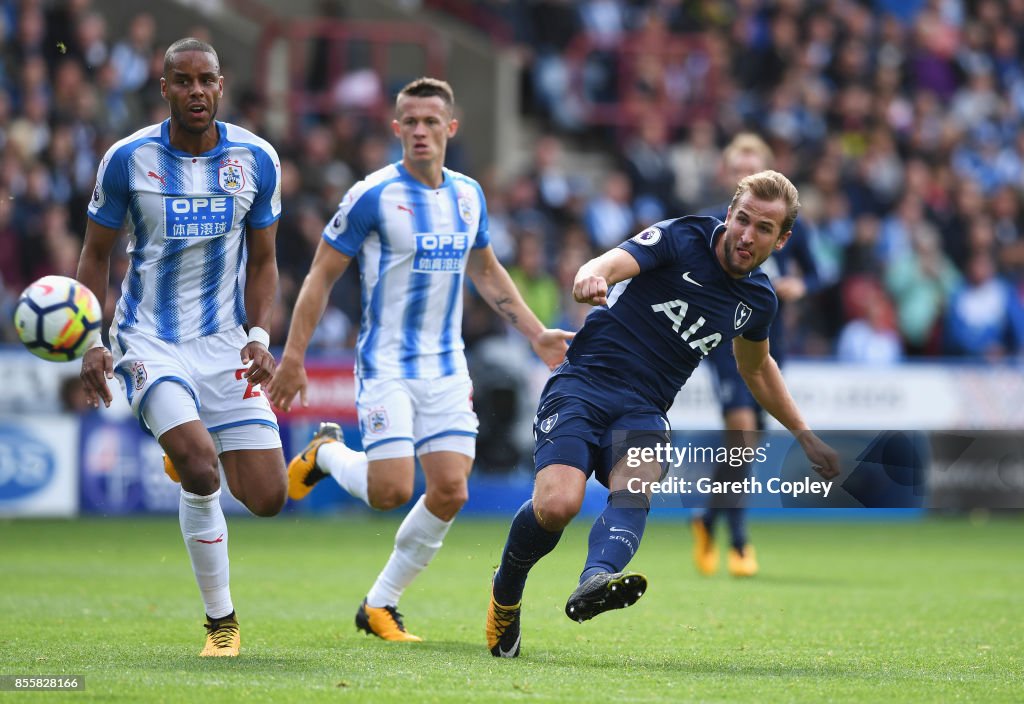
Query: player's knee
x,y
266,504
555,512
199,472
449,498
388,497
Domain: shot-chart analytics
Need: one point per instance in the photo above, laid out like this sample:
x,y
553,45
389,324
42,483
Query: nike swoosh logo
x,y
511,651
686,277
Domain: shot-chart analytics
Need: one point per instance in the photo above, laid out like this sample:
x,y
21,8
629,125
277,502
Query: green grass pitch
x,y
906,611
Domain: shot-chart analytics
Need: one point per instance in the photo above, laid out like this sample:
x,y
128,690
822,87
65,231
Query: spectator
x,y
608,217
908,114
646,158
870,338
130,56
920,281
539,289
985,318
694,163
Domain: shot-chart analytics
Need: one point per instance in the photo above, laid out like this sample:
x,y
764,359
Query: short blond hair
x,y
771,186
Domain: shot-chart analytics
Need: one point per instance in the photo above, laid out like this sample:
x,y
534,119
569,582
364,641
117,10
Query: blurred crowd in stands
x,y
899,120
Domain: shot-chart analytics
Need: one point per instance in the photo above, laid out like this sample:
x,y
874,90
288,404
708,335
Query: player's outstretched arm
x,y
497,288
93,272
763,378
328,266
260,288
596,276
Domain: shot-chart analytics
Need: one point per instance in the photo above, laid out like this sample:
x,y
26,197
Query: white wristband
x,y
259,335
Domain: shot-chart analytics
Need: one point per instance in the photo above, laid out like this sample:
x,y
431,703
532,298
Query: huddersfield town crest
x,y
377,420
466,209
743,312
139,375
230,176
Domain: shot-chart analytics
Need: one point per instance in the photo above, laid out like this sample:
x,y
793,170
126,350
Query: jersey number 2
x,y
249,391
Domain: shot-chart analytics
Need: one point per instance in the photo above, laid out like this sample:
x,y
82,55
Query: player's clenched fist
x,y
591,289
824,459
261,370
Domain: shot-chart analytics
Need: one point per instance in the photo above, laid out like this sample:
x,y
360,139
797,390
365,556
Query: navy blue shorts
x,y
729,385
590,422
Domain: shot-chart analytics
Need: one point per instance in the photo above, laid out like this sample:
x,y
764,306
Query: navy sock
x,y
708,519
615,536
737,518
527,543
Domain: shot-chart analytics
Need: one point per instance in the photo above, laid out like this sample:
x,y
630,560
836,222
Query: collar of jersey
x,y
408,177
165,137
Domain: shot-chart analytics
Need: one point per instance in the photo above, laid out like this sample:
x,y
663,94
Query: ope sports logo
x,y
198,216
440,252
26,465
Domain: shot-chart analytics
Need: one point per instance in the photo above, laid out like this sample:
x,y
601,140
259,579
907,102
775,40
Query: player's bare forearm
x,y
260,288
93,272
94,261
769,389
501,294
497,288
549,344
328,266
261,277
290,379
596,276
763,378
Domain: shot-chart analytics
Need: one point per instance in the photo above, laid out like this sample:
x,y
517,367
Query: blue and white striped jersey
x,y
187,222
412,243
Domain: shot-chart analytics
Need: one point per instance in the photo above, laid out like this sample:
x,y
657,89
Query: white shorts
x,y
171,405
400,417
208,367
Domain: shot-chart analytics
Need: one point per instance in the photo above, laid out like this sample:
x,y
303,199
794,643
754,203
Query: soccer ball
x,y
58,318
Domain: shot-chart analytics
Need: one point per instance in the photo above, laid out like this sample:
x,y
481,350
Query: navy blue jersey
x,y
660,324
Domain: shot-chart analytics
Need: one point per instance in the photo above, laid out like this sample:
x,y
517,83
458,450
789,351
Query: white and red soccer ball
x,y
58,318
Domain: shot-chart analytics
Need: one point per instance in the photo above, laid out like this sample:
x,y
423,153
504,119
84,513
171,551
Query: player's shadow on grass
x,y
808,580
573,660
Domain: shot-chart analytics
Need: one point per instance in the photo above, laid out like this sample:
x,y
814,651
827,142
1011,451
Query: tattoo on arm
x,y
501,303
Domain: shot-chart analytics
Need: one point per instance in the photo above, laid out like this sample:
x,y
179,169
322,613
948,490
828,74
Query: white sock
x,y
206,536
417,541
347,466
